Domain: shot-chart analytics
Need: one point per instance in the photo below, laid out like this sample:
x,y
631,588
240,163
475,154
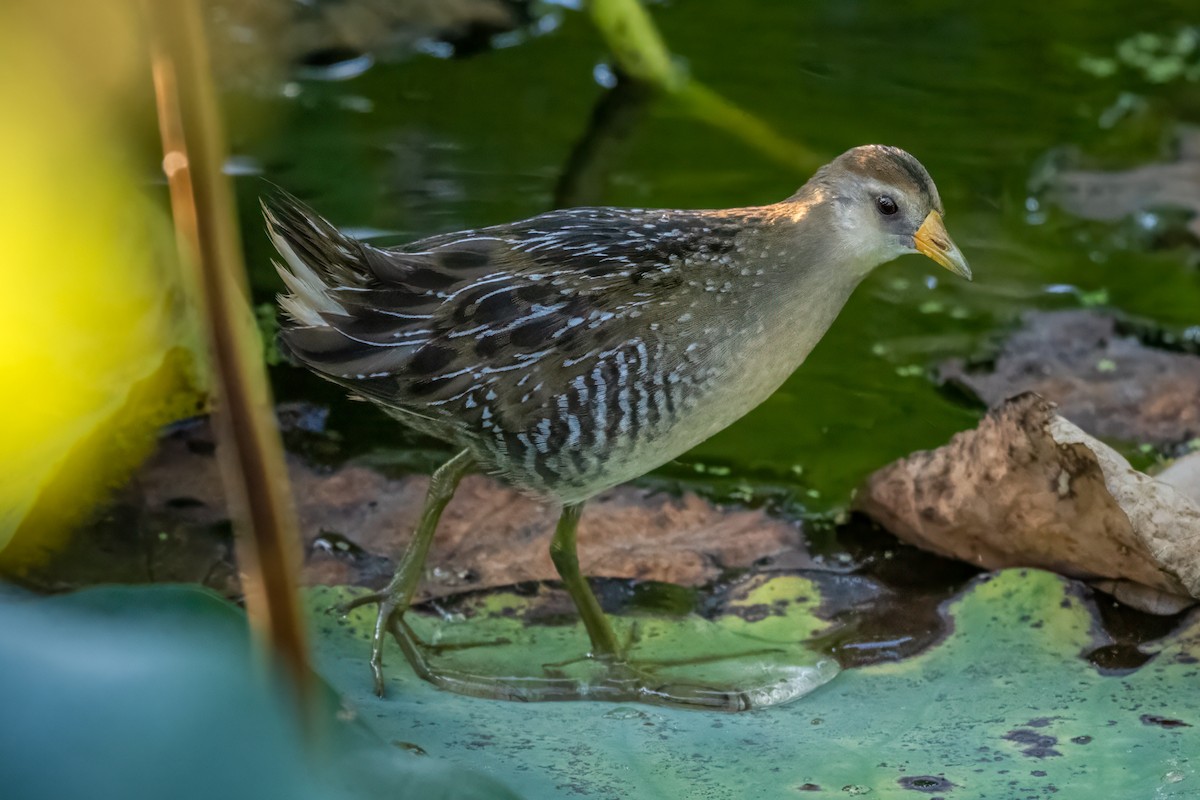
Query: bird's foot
x,y
499,668
623,680
390,612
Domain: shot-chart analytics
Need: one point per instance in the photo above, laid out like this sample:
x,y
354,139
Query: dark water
x,y
985,94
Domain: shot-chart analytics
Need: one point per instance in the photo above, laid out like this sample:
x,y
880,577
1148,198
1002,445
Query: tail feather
x,y
360,316
317,259
320,265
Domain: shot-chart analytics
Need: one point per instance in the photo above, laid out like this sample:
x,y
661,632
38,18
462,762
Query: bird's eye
x,y
886,205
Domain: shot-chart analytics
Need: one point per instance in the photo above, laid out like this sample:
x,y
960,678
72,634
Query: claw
x,y
358,602
387,607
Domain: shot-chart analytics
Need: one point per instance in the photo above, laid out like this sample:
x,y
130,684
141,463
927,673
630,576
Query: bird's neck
x,y
763,311
800,279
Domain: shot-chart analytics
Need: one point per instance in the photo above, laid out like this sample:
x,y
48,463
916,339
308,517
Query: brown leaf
x,y
356,521
1184,475
1029,488
492,535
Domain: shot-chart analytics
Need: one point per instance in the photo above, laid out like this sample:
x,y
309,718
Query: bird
x,y
581,348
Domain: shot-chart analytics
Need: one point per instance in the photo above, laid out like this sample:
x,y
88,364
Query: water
x,y
985,96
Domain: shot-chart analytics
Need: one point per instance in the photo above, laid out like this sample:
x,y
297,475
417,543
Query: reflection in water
x,y
618,112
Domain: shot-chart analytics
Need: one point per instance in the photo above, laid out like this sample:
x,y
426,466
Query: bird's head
x,y
880,203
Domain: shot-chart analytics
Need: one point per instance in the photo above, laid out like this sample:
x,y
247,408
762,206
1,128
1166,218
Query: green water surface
x,y
983,93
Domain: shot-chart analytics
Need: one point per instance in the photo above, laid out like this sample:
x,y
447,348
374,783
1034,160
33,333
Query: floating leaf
x,y
1005,707
153,692
499,645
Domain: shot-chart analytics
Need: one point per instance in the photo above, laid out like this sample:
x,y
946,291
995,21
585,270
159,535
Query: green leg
x,y
396,597
566,561
607,675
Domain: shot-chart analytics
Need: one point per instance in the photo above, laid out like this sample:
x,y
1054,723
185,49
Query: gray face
x,y
883,204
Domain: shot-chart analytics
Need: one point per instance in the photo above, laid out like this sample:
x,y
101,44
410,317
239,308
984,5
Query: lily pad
x,y
154,692
506,645
1005,707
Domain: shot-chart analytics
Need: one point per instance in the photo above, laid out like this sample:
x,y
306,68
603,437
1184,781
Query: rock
x,y
1029,488
1109,384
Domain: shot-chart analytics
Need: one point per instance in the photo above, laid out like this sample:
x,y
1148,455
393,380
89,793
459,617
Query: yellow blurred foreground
x,y
98,349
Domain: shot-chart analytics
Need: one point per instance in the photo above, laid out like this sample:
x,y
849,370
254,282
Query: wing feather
x,y
433,327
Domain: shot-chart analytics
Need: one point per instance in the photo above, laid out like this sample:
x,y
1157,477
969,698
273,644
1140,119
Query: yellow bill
x,y
932,240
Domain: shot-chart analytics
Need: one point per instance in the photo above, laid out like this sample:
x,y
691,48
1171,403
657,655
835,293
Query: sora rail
x,y
581,348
